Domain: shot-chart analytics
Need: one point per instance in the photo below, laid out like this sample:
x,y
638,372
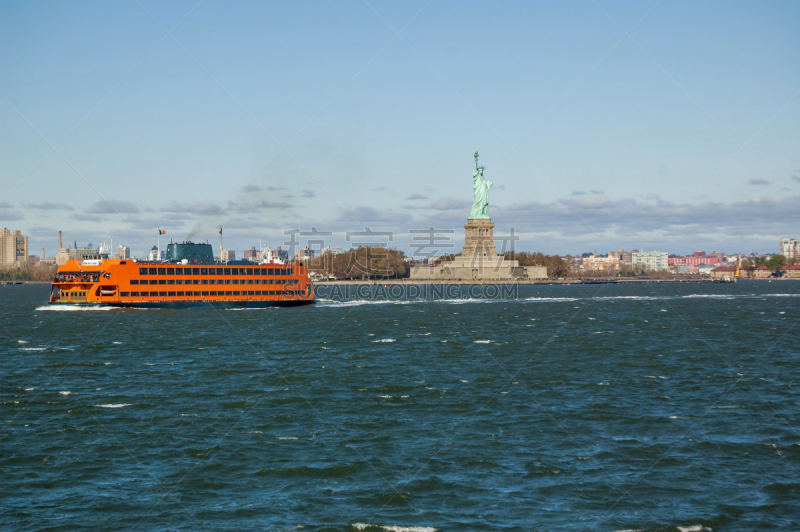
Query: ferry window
x,y
227,271
195,271
212,293
171,294
235,292
179,281
205,293
162,271
180,294
251,293
162,281
197,294
204,281
271,271
178,271
134,294
152,271
162,294
236,281
124,294
153,281
227,281
142,271
170,271
235,271
203,271
249,271
257,281
228,293
170,281
195,281
258,292
134,281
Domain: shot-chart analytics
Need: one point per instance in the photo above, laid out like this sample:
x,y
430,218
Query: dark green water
x,y
657,407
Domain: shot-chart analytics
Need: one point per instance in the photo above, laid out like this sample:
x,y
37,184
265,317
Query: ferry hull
x,y
194,304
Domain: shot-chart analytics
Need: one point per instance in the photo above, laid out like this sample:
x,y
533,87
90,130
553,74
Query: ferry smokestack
x,y
59,241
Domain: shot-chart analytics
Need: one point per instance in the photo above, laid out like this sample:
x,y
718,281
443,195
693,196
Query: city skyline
x,y
604,126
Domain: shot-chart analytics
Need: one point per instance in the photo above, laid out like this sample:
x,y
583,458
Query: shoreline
x,y
593,280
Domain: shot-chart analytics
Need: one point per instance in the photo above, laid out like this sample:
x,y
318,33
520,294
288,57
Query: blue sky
x,y
657,125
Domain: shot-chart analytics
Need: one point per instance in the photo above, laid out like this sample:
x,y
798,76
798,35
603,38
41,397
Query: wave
x,y
68,308
393,528
332,303
115,405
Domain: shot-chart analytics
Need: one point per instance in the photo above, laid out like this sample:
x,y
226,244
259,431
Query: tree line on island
x,y
367,262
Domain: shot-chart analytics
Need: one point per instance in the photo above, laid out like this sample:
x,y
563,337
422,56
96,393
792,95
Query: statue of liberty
x,y
480,187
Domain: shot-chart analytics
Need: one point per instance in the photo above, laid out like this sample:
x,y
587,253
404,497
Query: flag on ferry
x,y
220,230
160,232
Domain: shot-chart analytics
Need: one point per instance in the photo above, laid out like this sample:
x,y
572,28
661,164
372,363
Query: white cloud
x,y
47,206
112,206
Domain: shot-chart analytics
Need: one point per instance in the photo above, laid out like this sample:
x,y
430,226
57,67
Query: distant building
x,y
653,261
251,254
76,253
156,255
13,248
227,254
608,264
761,272
694,260
304,253
789,248
723,272
281,253
792,271
123,252
335,251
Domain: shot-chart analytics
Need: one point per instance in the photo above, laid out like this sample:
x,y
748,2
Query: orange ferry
x,y
188,277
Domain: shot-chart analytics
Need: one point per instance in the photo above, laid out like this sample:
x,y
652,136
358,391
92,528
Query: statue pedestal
x,y
478,260
479,239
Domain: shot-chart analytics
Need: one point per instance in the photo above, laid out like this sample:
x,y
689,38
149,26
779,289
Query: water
x,y
607,407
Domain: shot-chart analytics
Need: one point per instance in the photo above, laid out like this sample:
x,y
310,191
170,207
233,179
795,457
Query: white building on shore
x,y
652,261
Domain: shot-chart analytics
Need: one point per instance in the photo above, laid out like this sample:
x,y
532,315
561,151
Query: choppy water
x,y
570,408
